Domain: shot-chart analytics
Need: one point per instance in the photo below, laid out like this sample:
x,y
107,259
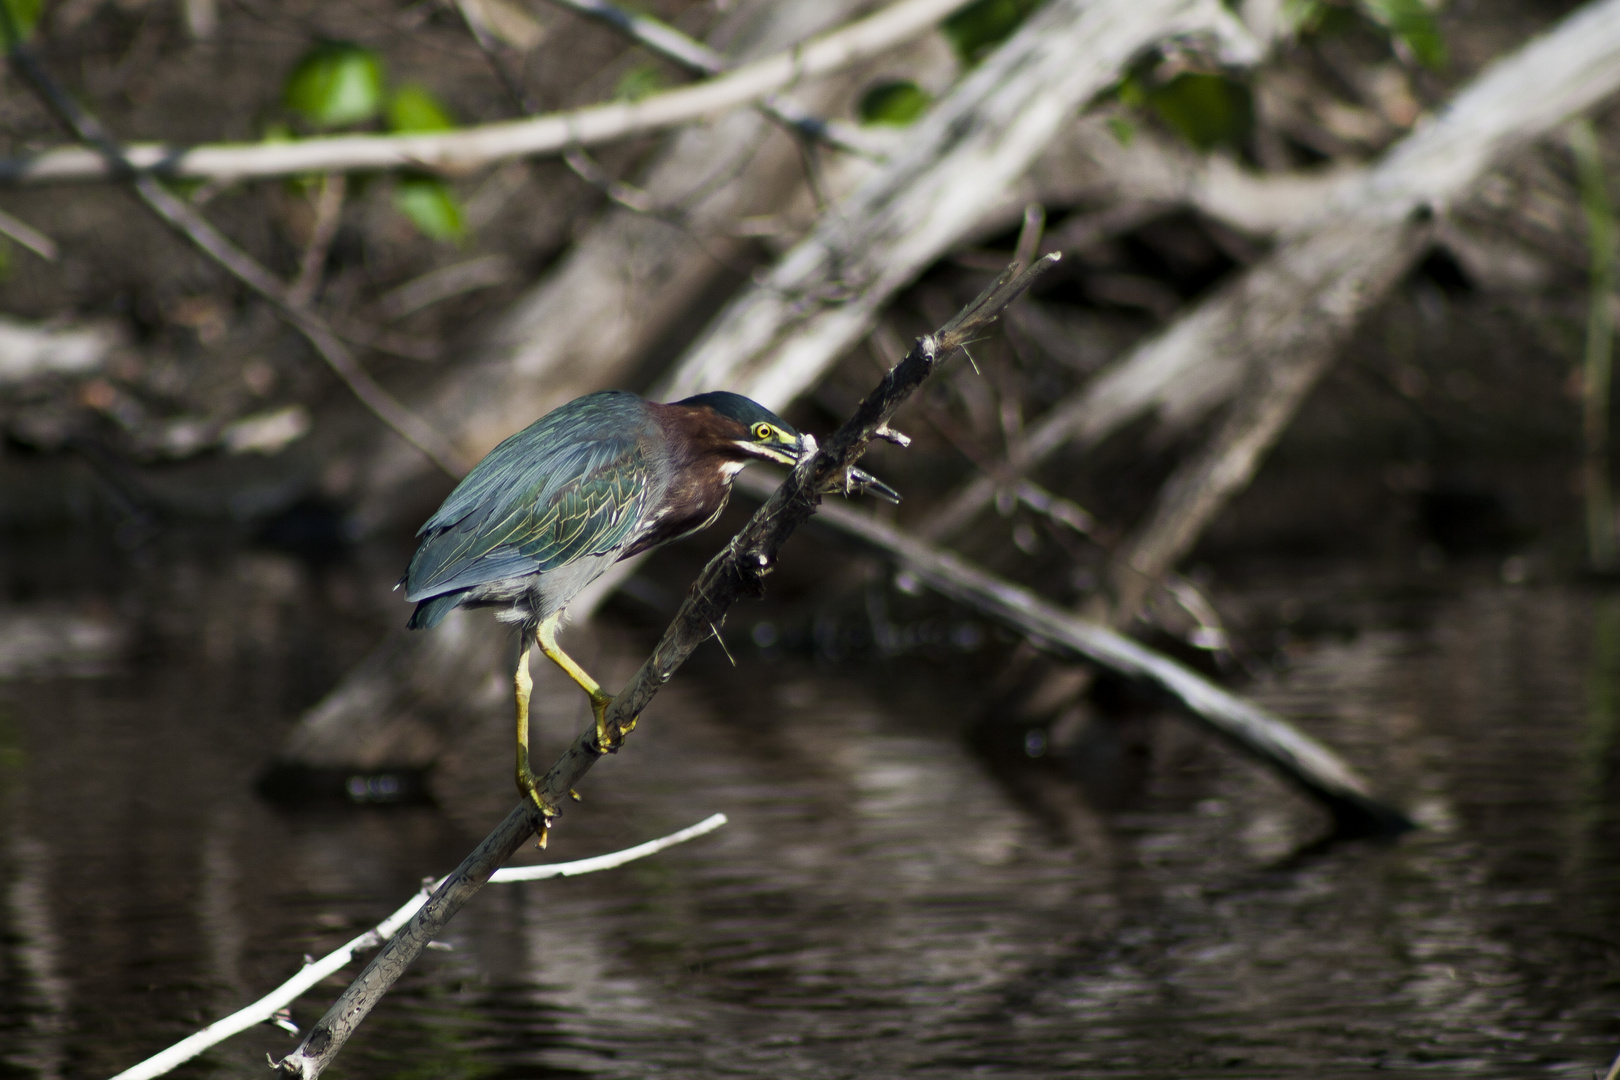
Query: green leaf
x,y
412,108
1124,131
1300,17
894,103
639,82
23,14
980,27
431,206
1411,23
335,85
1206,110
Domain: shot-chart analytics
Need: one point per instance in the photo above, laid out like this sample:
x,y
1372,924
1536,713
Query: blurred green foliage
x,y
894,103
413,108
639,82
981,26
336,84
1207,110
22,14
1412,24
431,206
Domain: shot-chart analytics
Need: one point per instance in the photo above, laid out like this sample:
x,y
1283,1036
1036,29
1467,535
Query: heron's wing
x,y
539,505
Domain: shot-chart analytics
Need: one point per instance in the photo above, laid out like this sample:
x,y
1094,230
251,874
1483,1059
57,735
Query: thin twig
x,y
189,222
470,147
328,213
313,972
28,236
491,50
737,570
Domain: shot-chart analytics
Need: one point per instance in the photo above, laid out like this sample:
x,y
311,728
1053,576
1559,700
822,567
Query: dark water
x,y
883,903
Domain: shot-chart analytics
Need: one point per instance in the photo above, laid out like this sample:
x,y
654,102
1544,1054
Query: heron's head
x,y
750,427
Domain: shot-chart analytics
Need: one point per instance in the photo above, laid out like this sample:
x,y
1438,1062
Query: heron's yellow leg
x,y
527,782
600,699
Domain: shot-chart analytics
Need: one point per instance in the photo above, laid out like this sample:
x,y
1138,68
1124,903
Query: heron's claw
x,y
860,480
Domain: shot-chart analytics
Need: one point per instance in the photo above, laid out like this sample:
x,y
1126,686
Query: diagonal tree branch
x,y
738,570
1299,759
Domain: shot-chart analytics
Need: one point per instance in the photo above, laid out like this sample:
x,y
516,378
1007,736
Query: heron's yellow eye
x,y
762,431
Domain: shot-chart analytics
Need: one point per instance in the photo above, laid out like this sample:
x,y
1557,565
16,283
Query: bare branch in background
x,y
964,156
1303,300
1299,759
664,40
738,570
468,148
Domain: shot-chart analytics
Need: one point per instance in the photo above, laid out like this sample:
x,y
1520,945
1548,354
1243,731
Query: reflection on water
x,y
883,902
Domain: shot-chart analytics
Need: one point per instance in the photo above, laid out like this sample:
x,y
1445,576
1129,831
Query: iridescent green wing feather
x,y
573,483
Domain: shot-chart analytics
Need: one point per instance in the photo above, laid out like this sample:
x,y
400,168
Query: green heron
x,y
600,479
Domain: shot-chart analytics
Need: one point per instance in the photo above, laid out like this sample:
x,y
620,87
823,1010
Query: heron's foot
x,y
528,786
606,742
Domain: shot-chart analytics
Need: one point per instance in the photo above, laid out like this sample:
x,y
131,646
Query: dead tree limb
x,y
1302,761
1307,296
484,144
738,570
963,157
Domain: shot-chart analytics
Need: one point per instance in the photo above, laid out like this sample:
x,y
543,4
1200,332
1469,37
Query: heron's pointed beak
x,y
781,453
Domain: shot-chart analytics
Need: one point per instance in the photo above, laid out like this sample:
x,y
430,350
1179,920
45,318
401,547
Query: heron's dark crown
x,y
746,411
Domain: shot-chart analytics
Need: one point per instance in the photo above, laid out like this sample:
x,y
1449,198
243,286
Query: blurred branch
x,y
28,236
314,971
328,212
470,147
664,40
1299,759
1296,306
738,570
1595,367
189,223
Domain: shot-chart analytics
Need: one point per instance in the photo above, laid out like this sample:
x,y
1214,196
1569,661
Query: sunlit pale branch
x,y
313,972
664,40
470,147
